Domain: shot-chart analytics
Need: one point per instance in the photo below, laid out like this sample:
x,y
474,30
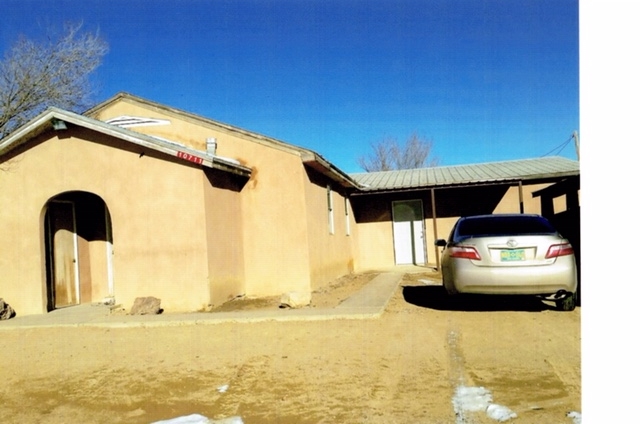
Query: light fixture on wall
x,y
58,124
212,145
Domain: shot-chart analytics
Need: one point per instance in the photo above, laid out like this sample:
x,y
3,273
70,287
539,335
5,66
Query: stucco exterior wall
x,y
375,246
274,202
223,222
273,212
157,212
98,273
444,226
511,200
158,230
178,129
375,232
274,219
331,239
21,271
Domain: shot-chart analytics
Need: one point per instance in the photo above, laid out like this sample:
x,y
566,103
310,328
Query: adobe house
x,y
134,198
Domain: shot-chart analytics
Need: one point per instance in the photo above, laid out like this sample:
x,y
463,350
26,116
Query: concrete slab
x,y
376,294
367,303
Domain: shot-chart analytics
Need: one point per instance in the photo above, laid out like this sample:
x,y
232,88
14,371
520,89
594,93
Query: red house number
x,y
190,158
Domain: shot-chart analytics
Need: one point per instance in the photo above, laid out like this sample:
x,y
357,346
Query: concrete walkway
x,y
367,303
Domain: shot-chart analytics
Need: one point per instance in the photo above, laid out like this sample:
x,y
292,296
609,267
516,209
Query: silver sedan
x,y
515,254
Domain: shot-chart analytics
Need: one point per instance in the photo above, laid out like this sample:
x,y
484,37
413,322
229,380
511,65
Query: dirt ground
x,y
328,296
403,367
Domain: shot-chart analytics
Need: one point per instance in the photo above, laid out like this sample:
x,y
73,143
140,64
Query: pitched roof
x,y
445,176
482,173
193,117
308,157
45,122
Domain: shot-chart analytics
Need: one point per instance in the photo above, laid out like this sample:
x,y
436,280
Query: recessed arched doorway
x,y
78,250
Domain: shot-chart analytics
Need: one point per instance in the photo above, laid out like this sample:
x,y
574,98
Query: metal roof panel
x,y
514,170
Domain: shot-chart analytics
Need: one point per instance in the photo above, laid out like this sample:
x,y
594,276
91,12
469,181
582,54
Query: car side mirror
x,y
441,243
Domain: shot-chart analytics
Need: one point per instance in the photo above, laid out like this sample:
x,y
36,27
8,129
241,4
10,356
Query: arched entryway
x,y
78,250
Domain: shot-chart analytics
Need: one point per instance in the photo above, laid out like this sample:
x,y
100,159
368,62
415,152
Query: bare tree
x,y
389,155
35,76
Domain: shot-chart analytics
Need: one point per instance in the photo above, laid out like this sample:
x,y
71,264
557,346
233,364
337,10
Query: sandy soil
x,y
328,296
404,367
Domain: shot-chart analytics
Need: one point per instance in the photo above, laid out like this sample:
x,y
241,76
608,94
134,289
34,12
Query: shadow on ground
x,y
435,297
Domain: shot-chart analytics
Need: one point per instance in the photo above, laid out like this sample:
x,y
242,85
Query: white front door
x,y
408,232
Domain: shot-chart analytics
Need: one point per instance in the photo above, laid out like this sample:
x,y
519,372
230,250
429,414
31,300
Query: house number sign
x,y
190,158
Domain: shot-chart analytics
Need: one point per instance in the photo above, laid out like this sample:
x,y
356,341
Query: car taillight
x,y
556,250
464,252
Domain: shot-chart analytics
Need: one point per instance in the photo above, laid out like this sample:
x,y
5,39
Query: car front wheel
x,y
568,303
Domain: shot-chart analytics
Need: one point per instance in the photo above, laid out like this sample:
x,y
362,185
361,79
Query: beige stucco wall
x,y
375,246
444,226
181,129
331,240
157,213
274,219
511,201
273,209
224,238
21,269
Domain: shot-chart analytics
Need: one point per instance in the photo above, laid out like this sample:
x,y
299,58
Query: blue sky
x,y
485,80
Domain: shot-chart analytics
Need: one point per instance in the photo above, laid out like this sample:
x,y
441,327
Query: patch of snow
x,y
471,399
476,399
187,419
200,419
576,416
500,413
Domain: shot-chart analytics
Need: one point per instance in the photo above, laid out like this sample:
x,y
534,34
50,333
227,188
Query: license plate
x,y
512,255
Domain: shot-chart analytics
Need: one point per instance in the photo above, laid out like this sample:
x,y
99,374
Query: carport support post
x,y
435,226
521,196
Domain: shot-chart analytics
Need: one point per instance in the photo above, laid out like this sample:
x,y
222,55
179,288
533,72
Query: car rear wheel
x,y
568,303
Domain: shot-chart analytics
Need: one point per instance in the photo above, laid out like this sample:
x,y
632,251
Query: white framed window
x,y
347,221
330,210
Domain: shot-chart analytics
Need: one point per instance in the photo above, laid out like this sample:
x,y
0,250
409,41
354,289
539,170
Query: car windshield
x,y
504,226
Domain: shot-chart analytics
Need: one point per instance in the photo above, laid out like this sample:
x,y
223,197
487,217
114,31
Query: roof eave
x,y
531,179
43,123
326,168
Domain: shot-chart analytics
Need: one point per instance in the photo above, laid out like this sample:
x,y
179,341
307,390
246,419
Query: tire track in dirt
x,y
249,382
457,376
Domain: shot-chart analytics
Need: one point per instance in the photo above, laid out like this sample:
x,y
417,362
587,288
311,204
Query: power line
x,y
559,148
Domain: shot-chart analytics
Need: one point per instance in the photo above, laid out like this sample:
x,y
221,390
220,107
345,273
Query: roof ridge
x,y
174,110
